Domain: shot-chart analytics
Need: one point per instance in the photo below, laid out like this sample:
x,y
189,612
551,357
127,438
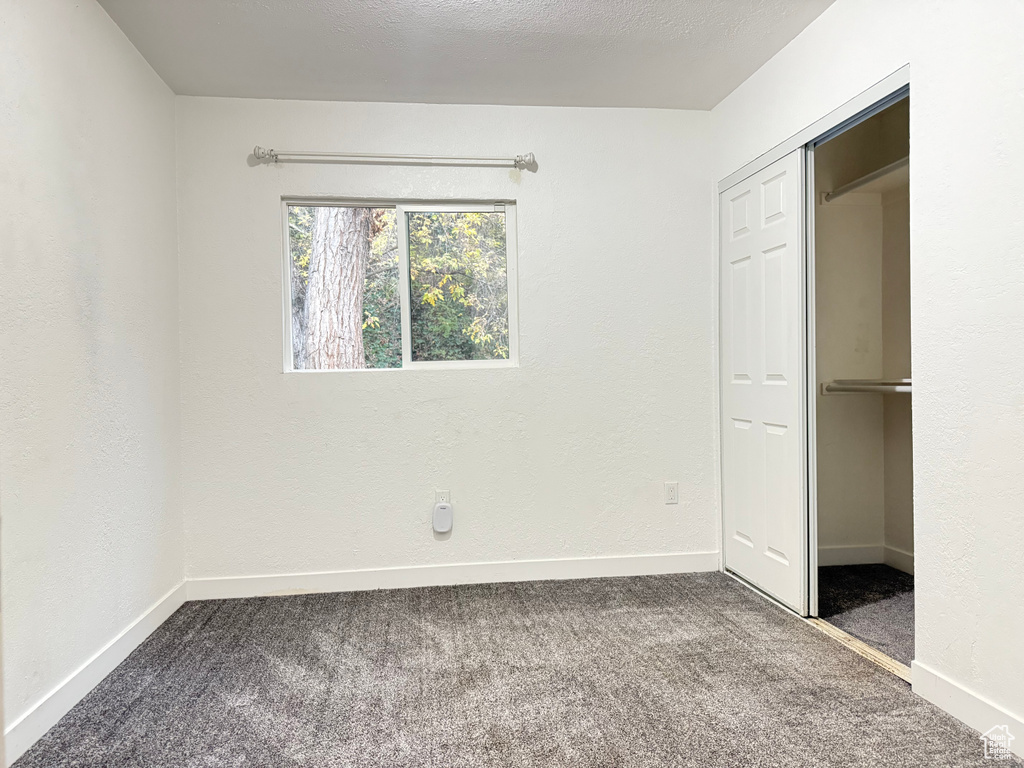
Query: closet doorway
x,y
815,374
860,452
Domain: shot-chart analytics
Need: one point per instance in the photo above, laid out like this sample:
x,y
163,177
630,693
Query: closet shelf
x,y
880,386
866,179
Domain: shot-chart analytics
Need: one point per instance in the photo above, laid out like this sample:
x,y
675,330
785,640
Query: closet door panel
x,y
762,311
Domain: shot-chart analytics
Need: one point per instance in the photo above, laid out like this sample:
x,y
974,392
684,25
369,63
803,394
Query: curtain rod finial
x,y
264,154
526,161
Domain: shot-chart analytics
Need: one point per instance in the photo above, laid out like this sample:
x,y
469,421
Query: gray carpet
x,y
689,670
874,603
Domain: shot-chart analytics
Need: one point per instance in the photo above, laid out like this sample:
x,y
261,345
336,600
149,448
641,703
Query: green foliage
x,y
382,308
300,243
300,230
457,270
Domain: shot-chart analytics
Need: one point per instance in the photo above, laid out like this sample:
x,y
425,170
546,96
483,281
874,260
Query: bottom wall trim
x,y
965,705
27,729
961,703
443,575
851,555
859,554
899,559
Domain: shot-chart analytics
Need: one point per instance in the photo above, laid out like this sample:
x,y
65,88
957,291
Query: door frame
x,y
840,118
810,387
881,95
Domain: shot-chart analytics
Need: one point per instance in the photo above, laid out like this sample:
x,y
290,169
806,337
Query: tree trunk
x,y
334,293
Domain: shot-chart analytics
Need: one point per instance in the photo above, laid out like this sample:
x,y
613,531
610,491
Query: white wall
x,y
561,458
896,354
848,332
862,328
92,529
967,277
564,457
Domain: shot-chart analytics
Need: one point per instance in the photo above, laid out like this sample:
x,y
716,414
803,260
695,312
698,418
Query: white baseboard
x,y
851,555
899,559
440,575
968,707
27,729
965,705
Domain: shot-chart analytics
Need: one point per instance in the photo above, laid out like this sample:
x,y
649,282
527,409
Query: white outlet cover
x,y
442,497
672,493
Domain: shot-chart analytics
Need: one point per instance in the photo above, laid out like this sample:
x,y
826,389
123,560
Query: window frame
x,y
402,207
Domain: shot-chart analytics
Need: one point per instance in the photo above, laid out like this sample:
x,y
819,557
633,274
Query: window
x,y
373,286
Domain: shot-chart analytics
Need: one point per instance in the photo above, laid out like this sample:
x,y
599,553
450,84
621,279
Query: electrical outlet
x,y
442,497
671,493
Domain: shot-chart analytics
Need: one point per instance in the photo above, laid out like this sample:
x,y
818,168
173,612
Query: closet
x,y
862,404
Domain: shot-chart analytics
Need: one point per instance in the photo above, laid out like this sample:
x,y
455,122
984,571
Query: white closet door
x,y
762,306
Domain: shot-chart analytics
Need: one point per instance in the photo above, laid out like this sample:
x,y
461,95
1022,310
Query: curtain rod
x,y
527,161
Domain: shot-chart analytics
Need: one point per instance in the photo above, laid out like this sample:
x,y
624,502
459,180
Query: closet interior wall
x,y
862,330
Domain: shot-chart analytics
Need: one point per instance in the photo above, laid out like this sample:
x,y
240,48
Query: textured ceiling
x,y
649,53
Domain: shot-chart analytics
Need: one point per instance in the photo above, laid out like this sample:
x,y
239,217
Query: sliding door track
x,y
873,655
859,646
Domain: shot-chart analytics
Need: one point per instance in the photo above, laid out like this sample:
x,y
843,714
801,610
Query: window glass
x,y
346,312
458,286
350,309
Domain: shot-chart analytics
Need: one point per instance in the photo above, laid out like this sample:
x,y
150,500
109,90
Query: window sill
x,y
441,365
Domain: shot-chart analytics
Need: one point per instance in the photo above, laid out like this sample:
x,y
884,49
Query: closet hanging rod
x,y
858,183
881,386
522,162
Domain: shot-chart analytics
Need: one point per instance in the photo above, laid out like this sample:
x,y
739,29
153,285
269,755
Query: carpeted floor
x,y
874,603
687,670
